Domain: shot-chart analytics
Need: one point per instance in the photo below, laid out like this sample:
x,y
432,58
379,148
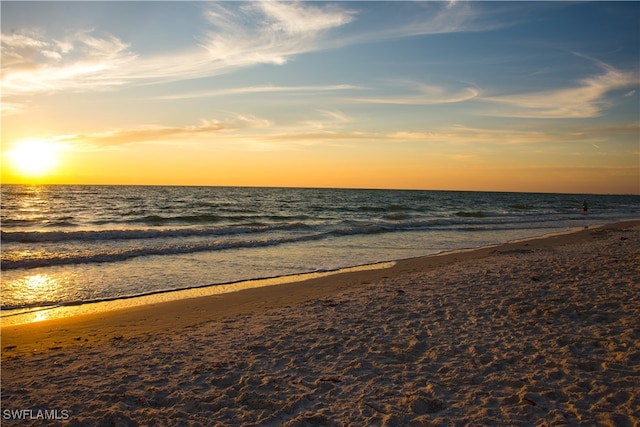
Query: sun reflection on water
x,y
37,287
42,315
31,289
31,207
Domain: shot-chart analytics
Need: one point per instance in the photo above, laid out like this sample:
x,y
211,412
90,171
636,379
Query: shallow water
x,y
67,245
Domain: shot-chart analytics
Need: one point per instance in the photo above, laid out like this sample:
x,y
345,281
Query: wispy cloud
x,y
241,35
268,32
450,17
428,18
423,94
11,108
460,134
246,34
333,127
164,134
587,98
249,90
329,119
336,116
33,63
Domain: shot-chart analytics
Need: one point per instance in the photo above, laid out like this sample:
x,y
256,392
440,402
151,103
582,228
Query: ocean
x,y
74,245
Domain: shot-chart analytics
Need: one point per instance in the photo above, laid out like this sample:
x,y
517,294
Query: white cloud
x,y
429,18
472,135
163,134
587,98
423,94
311,89
336,116
298,20
241,35
11,108
330,119
22,40
268,32
32,63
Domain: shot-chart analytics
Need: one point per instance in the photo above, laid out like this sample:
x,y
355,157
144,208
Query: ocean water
x,y
70,245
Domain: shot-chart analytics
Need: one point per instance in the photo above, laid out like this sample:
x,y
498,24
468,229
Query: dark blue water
x,y
71,244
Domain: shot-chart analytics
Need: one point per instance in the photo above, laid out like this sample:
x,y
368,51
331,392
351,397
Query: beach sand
x,y
539,332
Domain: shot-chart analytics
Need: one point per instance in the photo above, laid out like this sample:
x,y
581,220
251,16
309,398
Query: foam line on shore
x,y
38,314
25,315
255,294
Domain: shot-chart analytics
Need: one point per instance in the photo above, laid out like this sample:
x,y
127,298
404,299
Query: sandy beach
x,y
540,332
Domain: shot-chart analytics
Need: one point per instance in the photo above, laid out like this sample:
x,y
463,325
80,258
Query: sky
x,y
490,96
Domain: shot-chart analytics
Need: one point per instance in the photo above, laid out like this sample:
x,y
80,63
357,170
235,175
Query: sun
x,y
34,158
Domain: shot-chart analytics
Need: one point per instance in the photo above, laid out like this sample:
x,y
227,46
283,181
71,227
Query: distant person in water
x,y
585,206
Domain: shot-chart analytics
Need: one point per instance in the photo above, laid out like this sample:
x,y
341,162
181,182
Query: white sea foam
x,y
70,244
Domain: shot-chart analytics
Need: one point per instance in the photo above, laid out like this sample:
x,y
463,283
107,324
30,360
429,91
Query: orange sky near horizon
x,y
123,167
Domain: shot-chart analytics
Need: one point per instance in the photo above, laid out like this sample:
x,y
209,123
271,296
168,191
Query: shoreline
x,y
25,315
543,331
218,305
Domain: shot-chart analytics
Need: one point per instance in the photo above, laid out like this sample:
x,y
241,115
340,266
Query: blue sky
x,y
525,96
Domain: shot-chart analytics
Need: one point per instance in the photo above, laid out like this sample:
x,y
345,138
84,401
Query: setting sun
x,y
34,158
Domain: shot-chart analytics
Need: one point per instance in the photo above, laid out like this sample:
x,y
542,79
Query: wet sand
x,y
540,332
